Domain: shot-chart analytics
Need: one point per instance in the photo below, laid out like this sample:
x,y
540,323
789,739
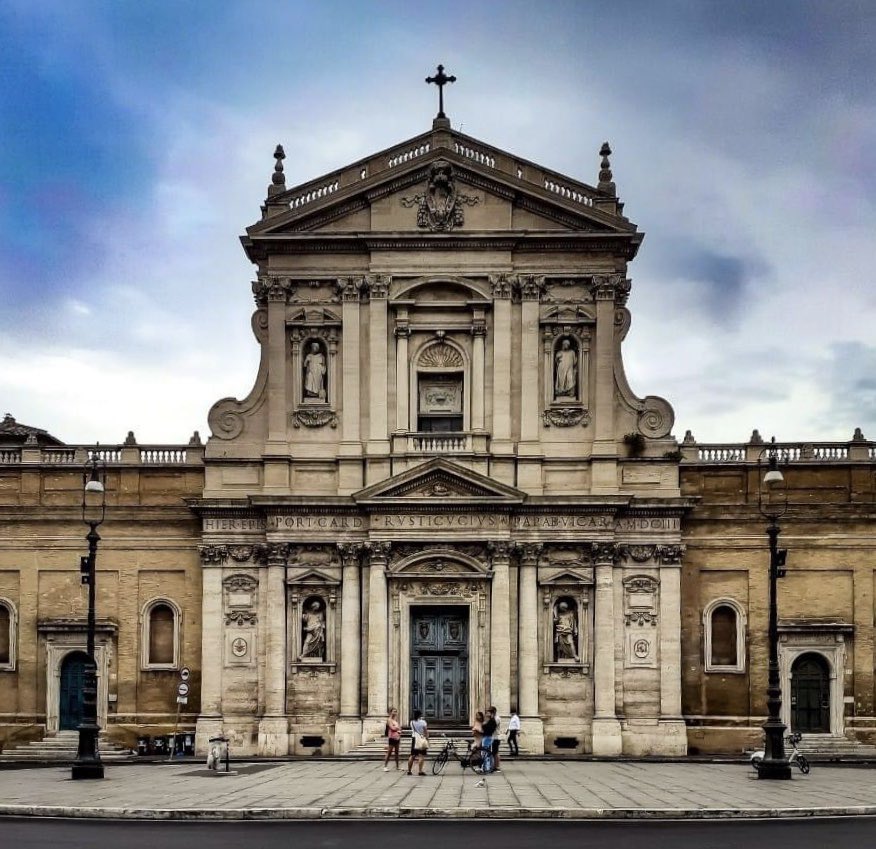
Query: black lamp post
x,y
88,763
772,504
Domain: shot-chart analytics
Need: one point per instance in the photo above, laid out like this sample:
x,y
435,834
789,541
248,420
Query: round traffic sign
x,y
184,673
183,689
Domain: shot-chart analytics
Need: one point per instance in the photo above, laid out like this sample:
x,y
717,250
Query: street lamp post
x,y
88,763
775,764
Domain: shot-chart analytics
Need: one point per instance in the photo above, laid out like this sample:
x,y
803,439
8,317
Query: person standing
x,y
419,742
513,732
491,729
393,738
497,739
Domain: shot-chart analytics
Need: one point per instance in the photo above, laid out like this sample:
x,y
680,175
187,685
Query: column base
x,y
348,734
607,737
205,728
373,727
531,735
273,736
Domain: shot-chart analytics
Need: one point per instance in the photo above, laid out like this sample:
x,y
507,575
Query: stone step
x,y
375,749
835,745
61,747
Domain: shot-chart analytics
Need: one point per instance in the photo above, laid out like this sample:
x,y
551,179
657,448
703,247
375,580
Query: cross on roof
x,y
441,79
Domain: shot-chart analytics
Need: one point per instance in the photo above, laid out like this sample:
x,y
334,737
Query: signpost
x,y
182,698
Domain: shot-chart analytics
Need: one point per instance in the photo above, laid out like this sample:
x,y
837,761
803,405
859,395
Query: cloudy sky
x,y
137,140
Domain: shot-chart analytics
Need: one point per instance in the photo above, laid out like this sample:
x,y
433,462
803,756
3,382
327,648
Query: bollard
x,y
218,752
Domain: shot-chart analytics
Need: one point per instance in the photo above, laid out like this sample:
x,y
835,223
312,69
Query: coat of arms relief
x,y
439,209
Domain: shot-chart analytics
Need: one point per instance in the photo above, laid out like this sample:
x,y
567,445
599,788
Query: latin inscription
x,y
234,524
439,521
561,523
318,523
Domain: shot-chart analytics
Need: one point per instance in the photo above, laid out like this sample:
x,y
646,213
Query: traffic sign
x,y
183,689
184,673
182,700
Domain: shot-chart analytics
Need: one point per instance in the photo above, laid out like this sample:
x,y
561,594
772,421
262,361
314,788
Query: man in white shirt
x,y
513,731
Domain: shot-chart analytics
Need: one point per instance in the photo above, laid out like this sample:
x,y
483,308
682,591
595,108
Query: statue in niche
x,y
566,631
314,373
313,631
566,370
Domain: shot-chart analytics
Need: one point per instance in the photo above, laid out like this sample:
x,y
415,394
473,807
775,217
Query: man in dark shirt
x,y
491,728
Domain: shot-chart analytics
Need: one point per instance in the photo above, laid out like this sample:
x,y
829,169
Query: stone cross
x,y
441,79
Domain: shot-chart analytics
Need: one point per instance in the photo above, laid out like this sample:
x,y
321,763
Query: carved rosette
x,y
314,418
566,417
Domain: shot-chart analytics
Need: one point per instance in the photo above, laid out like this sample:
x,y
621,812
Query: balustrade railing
x,y
786,452
439,443
120,455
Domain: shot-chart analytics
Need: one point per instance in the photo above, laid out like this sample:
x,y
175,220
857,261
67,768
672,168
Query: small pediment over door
x,y
439,481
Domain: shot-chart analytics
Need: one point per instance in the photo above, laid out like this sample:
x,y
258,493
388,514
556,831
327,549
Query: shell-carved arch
x,y
479,291
445,562
446,355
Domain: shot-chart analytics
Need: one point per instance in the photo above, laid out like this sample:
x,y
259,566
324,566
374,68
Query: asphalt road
x,y
432,834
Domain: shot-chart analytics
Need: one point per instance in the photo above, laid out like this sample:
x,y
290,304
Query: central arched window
x,y
7,635
440,389
160,634
724,631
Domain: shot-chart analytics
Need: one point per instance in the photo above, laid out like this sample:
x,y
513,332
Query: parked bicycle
x,y
474,757
796,757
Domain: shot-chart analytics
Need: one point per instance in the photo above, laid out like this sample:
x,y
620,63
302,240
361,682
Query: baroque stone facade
x,y
440,493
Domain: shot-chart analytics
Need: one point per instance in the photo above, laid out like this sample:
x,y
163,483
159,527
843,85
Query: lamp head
x,y
94,490
773,477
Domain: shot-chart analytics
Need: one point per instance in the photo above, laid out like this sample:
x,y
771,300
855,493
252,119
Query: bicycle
x,y
796,757
474,758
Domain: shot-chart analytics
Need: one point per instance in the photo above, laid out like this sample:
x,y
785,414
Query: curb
x,y
409,813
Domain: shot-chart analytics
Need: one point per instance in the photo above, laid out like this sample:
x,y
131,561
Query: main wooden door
x,y
72,679
439,664
810,695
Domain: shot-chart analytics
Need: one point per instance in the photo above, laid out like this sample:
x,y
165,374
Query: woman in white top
x,y
418,727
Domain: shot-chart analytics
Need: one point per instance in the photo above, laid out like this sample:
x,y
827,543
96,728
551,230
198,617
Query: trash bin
x,y
188,744
159,746
143,745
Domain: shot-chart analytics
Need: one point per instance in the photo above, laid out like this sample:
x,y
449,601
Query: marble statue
x,y
566,379
565,632
314,373
313,622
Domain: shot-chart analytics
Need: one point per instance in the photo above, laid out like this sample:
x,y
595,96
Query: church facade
x,y
440,494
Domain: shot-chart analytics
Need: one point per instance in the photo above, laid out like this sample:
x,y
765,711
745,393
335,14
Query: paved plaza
x,y
328,789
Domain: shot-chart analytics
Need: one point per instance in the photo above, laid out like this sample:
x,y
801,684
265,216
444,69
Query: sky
x,y
136,143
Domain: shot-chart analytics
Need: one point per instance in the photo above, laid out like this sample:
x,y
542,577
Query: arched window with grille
x,y
724,633
8,621
160,634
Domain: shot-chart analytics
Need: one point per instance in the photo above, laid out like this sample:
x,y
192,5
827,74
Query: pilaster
x,y
607,738
527,648
350,463
210,720
377,638
529,475
348,728
501,431
604,464
672,725
500,628
276,452
274,725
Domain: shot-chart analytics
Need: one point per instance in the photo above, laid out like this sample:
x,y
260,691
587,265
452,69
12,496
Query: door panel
x,y
439,664
810,695
72,679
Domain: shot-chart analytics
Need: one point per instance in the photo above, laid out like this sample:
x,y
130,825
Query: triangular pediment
x,y
374,195
439,481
